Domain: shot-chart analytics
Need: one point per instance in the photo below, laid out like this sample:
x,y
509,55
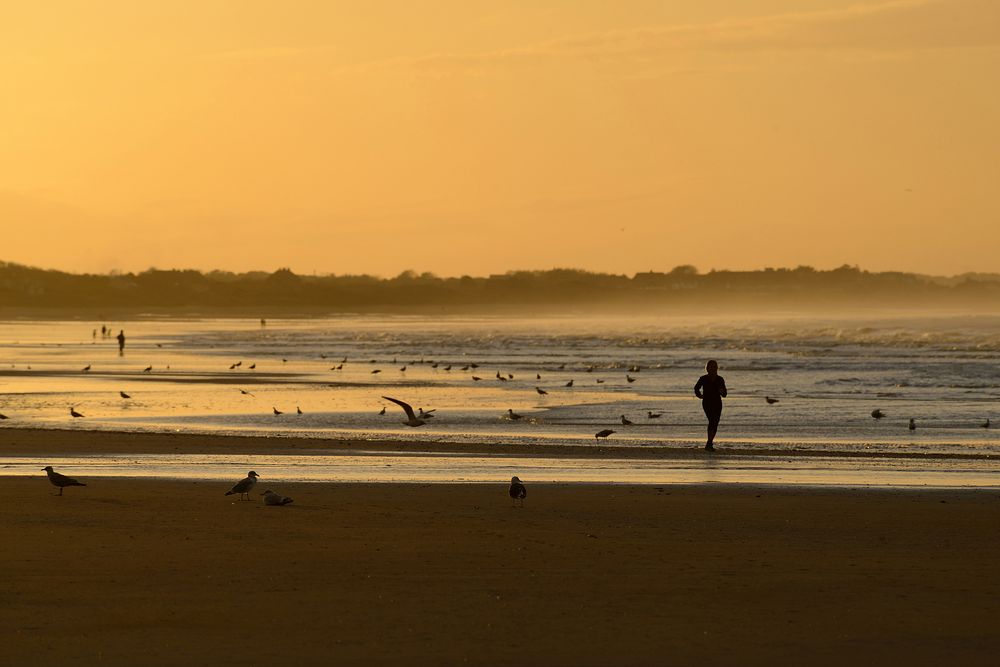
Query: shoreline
x,y
29,441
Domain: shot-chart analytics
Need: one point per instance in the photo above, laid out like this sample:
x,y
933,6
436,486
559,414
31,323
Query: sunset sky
x,y
475,137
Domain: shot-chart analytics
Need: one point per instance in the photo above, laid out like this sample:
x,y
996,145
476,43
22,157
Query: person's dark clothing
x,y
711,389
121,341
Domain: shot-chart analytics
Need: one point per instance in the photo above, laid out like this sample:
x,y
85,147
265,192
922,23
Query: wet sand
x,y
131,571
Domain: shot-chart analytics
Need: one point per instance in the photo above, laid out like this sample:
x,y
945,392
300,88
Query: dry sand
x,y
153,572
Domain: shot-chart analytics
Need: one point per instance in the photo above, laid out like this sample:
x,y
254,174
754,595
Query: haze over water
x,y
828,374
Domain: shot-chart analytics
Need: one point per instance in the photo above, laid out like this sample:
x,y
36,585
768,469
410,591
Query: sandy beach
x,y
130,571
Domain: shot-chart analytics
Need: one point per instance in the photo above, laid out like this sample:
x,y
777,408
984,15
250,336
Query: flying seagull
x,y
73,412
770,401
61,481
877,414
517,491
272,498
244,486
123,394
626,421
603,434
411,418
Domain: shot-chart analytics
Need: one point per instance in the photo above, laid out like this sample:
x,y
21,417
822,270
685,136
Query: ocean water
x,y
828,375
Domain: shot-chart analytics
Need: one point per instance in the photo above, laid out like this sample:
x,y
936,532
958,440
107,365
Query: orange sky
x,y
458,136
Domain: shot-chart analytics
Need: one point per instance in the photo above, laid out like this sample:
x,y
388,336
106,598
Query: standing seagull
x,y
513,416
877,414
517,491
244,486
411,418
62,481
276,411
770,401
626,421
541,392
272,498
73,412
603,434
123,394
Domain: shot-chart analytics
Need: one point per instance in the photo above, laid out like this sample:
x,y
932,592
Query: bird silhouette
x,y
382,411
513,415
985,424
244,486
73,412
245,392
298,410
376,371
85,368
123,394
541,392
252,366
771,401
538,376
600,382
913,424
569,384
626,421
60,481
517,491
603,434
3,416
272,498
277,411
411,417
877,414
653,415
629,378
476,379
147,369
427,414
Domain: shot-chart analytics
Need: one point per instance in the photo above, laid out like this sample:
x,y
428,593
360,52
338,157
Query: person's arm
x,y
722,387
697,387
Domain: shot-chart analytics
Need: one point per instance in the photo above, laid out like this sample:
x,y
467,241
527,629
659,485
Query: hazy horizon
x,y
460,137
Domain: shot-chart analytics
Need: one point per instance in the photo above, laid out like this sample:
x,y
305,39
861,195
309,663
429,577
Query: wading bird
x,y
60,481
603,434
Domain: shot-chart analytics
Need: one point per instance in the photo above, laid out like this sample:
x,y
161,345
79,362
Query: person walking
x,y
121,343
711,389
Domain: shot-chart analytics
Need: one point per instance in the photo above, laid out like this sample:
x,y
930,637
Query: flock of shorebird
x,y
517,490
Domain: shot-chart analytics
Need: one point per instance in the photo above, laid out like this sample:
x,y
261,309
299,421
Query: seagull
x,y
517,491
653,415
448,367
123,394
85,368
985,424
770,401
626,421
376,371
73,412
411,419
402,369
62,481
541,392
569,384
147,369
339,367
232,366
244,486
513,416
298,410
629,378
252,366
245,392
600,382
277,411
427,414
603,434
272,498
877,414
382,411
538,376
913,424
476,379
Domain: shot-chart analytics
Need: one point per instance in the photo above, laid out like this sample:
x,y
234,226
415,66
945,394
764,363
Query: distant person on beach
x,y
711,389
121,343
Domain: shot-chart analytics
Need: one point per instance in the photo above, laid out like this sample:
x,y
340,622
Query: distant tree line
x,y
684,286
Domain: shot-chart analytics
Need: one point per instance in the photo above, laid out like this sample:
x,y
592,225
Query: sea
x,y
328,378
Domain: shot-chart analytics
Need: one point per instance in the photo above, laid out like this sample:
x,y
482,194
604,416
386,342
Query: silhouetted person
x,y
711,389
121,343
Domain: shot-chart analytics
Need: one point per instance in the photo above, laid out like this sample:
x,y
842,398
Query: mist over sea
x,y
828,375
